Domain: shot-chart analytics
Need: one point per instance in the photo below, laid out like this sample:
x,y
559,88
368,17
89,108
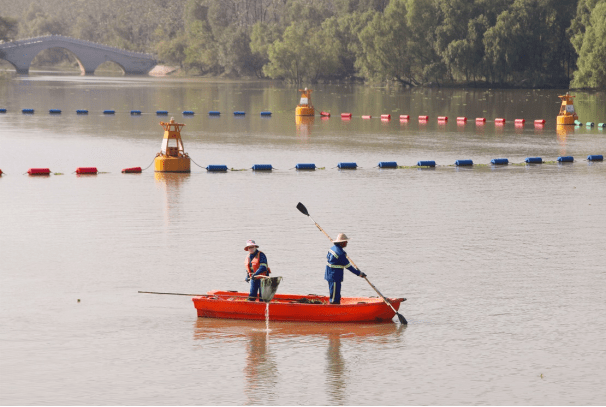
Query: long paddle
x,y
303,210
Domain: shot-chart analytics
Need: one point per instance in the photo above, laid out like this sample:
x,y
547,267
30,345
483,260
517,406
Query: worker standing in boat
x,y
256,267
337,262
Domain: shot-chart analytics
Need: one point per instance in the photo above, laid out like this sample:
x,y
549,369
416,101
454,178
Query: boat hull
x,y
284,307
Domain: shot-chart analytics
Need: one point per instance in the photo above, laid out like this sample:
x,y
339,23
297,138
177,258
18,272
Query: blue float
x,y
239,113
54,111
463,163
81,111
590,124
3,110
188,113
216,168
595,158
388,164
30,111
214,113
265,113
161,112
109,112
426,164
533,160
566,159
499,161
305,166
135,112
600,125
262,167
347,166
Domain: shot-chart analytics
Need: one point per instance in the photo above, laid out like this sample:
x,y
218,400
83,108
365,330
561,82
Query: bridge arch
x,y
89,54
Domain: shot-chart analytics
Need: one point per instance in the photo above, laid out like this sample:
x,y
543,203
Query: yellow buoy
x,y
305,108
567,114
172,157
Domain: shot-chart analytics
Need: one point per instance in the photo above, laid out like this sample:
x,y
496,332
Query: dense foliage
x,y
529,43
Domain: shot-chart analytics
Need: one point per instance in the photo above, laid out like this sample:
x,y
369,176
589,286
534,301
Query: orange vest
x,y
253,266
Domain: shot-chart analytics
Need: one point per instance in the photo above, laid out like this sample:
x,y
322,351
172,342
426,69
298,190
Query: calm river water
x,y
503,268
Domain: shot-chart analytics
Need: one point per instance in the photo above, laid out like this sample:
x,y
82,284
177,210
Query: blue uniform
x,y
337,262
255,284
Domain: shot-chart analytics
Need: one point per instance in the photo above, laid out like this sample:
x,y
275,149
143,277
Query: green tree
x,y
592,56
8,28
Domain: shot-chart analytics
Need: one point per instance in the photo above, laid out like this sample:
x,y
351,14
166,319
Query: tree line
x,y
521,43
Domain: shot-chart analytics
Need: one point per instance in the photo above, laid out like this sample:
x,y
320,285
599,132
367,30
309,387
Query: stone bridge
x,y
89,54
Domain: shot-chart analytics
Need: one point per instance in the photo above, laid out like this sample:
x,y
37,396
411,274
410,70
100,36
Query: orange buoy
x,y
172,158
345,115
38,171
462,119
442,118
132,170
367,117
385,117
404,117
305,108
567,114
423,118
86,170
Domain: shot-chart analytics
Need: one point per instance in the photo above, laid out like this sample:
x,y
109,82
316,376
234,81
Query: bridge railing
x,y
33,40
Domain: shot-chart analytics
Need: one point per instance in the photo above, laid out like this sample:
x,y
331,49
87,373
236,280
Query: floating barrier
x,y
347,166
464,163
345,115
239,113
132,170
161,112
499,161
188,113
519,121
367,117
214,113
426,164
325,114
216,168
539,121
595,158
135,112
3,110
442,118
265,113
462,119
499,121
388,164
404,117
54,111
27,111
86,170
38,171
305,166
480,120
423,118
590,124
109,112
566,159
601,125
385,117
533,160
262,167
578,123
81,111
0,173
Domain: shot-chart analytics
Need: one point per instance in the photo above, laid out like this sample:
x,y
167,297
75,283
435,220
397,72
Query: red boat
x,y
286,307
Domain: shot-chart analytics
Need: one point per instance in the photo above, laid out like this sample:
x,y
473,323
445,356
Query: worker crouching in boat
x,y
256,268
337,262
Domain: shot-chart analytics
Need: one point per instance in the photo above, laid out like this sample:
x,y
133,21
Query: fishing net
x,y
269,286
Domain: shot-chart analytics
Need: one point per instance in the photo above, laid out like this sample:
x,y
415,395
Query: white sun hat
x,y
250,243
341,237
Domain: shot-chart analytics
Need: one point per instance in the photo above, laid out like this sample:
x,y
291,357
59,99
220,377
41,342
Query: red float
x,y
539,121
385,117
86,170
345,115
132,170
404,117
462,119
442,118
423,118
38,171
367,117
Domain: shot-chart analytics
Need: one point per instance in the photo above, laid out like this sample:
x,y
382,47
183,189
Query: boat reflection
x,y
304,125
264,349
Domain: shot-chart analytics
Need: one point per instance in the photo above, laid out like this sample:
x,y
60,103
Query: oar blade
x,y
302,209
403,320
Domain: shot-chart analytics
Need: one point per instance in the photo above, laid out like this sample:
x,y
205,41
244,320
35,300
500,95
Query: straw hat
x,y
341,238
250,243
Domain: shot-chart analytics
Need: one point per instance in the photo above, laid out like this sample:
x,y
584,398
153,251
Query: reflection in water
x,y
562,131
304,125
265,349
171,183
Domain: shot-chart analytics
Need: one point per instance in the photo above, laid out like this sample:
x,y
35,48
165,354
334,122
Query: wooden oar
x,y
303,210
